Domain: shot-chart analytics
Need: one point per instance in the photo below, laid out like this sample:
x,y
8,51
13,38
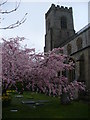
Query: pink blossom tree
x,y
37,72
16,63
45,77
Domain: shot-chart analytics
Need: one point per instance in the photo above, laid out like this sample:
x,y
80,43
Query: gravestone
x,y
65,99
39,104
28,102
35,103
19,96
14,110
75,94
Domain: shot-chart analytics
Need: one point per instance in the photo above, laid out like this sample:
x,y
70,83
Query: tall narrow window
x,y
63,22
69,49
71,73
81,68
79,43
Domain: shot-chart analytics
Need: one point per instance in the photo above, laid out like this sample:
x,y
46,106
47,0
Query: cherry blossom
x,y
23,69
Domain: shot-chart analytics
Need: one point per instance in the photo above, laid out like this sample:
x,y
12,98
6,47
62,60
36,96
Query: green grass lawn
x,y
52,109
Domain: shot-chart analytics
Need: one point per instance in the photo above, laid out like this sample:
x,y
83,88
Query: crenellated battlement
x,y
62,8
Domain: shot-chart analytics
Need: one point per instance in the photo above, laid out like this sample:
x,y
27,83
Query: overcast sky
x,y
34,27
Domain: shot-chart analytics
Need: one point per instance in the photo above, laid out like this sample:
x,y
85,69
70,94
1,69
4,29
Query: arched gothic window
x,y
79,43
71,73
69,49
81,68
63,22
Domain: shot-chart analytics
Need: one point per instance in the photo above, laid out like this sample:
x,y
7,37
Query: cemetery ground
x,y
42,106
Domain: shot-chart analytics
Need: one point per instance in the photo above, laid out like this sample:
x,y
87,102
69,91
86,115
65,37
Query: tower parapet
x,y
61,8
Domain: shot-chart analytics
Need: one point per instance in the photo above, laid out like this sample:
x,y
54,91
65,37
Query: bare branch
x,y
18,23
7,12
3,3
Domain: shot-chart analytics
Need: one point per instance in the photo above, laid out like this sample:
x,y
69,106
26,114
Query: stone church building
x,y
60,33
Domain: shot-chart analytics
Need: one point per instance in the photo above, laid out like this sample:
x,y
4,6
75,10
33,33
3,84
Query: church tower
x,y
59,26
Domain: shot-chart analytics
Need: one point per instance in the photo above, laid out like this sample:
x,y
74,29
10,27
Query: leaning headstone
x,y
75,94
65,99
